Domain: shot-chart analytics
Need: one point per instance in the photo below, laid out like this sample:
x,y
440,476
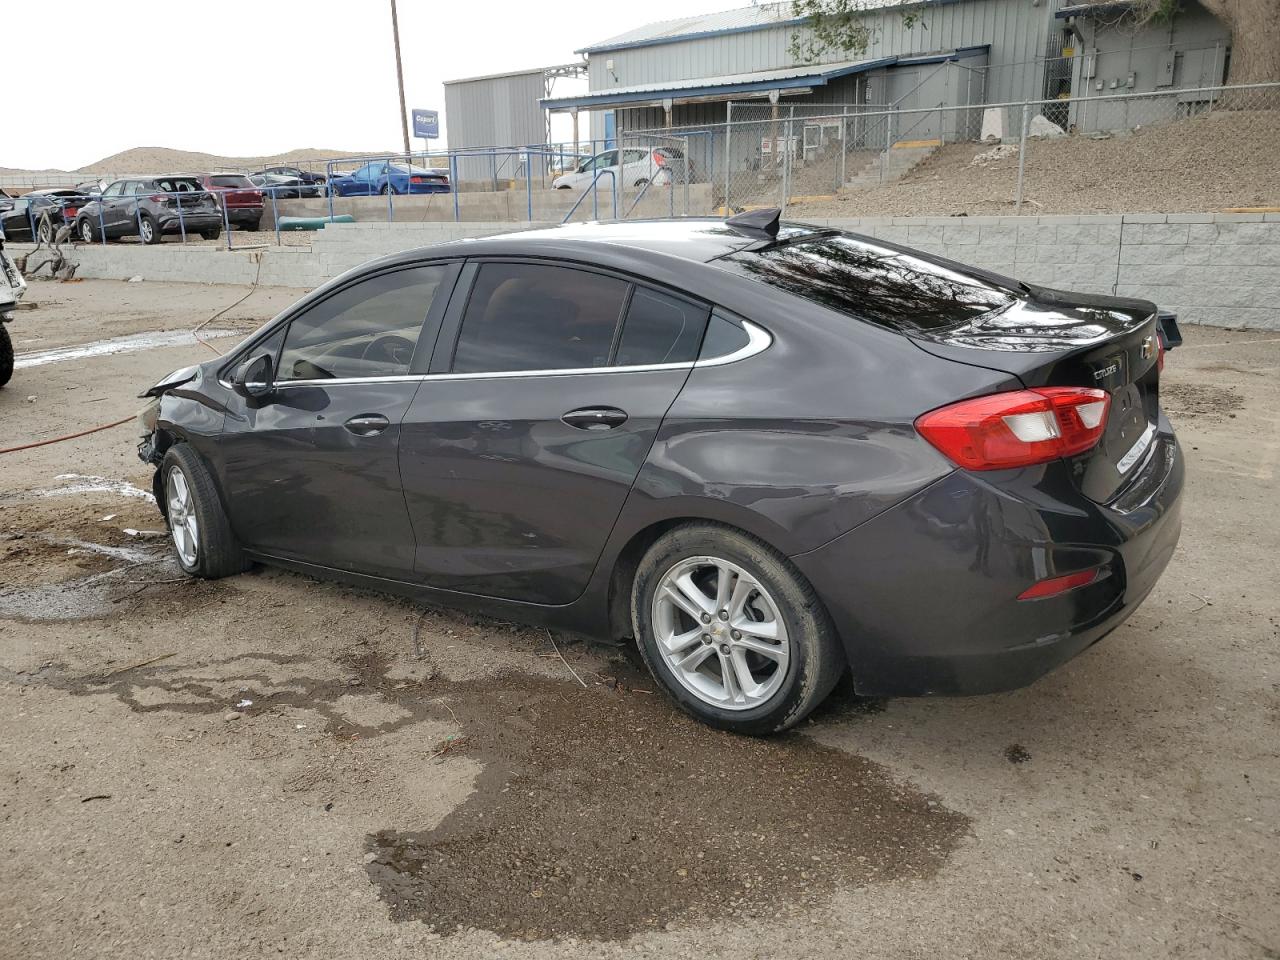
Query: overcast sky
x,y
253,77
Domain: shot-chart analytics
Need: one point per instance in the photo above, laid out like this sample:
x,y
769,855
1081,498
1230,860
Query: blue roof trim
x,y
960,53
818,78
748,28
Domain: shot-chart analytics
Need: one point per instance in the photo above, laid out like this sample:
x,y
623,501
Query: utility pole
x,y
404,118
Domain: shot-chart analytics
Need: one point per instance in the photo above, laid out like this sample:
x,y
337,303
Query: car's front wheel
x,y
198,525
732,631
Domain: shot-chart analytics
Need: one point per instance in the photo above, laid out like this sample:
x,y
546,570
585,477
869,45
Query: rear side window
x,y
873,283
725,335
369,329
524,316
660,329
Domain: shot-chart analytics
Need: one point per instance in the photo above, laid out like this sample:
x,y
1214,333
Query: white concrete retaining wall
x,y
1213,268
1220,269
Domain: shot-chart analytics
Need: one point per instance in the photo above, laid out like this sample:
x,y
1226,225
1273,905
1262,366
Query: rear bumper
x,y
189,222
241,215
924,595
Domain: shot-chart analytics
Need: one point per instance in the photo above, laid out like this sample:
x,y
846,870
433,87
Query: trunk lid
x,y
1057,339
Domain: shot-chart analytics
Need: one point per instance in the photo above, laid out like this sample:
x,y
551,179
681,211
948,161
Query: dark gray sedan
x,y
772,454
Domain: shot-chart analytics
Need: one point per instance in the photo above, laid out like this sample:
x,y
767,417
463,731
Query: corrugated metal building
x,y
682,73
497,110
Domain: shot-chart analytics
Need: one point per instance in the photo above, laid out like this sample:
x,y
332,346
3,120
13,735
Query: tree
x,y
1254,26
835,25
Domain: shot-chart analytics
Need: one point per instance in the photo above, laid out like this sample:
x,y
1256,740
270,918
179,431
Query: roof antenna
x,y
756,224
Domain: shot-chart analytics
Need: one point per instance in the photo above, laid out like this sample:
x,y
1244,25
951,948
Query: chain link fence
x,y
1020,157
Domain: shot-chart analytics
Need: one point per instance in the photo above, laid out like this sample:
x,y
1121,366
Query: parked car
x,y
306,176
148,208
284,187
773,455
6,200
383,177
662,165
38,214
12,288
238,196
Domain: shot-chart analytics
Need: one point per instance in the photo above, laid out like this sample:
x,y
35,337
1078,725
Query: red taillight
x,y
158,198
1019,428
72,211
1160,353
417,180
1056,585
659,159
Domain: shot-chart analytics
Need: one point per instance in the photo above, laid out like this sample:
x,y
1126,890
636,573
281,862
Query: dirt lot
x,y
270,766
1223,159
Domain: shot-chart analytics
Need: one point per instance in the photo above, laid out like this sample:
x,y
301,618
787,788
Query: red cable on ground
x,y
69,436
195,333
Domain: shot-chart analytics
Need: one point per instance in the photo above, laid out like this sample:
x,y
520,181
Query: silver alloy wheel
x,y
145,230
720,633
182,516
86,231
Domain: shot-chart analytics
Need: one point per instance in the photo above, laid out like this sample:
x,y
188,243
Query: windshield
x,y
869,282
230,180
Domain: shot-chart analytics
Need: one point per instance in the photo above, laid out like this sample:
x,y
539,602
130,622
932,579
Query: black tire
x,y
253,225
213,234
641,182
6,355
386,188
217,552
149,230
86,231
816,660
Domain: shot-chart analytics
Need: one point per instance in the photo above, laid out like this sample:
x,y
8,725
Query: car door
x,y
520,448
114,204
310,470
17,220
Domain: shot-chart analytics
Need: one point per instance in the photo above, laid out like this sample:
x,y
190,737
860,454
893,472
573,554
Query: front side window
x,y
369,329
660,329
524,316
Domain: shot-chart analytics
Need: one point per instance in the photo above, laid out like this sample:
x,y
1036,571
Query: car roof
x,y
698,239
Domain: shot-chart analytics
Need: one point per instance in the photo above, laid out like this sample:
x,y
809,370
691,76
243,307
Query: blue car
x,y
381,176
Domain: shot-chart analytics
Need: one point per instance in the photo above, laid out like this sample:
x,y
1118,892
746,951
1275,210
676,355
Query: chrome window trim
x,y
758,340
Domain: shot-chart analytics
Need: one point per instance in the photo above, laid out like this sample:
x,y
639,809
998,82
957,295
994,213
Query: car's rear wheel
x,y
148,229
86,231
732,631
641,182
44,232
213,234
6,356
198,525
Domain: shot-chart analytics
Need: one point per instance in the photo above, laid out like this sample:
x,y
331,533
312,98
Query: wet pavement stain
x,y
598,813
604,814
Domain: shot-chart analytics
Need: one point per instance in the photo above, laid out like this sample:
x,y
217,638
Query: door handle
x,y
595,418
367,424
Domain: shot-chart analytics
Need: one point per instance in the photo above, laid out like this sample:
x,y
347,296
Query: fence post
x,y
226,223
1022,156
844,143
102,223
455,185
391,213
328,190
728,134
275,216
528,184
182,227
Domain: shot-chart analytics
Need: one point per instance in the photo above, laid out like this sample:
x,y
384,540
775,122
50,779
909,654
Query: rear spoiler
x,y
1169,332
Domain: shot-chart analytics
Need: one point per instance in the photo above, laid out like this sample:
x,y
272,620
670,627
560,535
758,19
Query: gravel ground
x,y
267,765
1224,159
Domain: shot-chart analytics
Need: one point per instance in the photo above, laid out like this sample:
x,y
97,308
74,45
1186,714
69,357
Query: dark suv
x,y
149,207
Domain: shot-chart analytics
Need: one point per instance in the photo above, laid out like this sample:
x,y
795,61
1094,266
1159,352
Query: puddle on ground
x,y
598,813
126,344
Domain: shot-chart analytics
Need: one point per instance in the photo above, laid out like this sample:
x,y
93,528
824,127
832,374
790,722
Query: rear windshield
x,y
178,185
873,283
230,180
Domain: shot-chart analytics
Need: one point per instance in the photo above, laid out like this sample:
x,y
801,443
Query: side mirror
x,y
255,378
